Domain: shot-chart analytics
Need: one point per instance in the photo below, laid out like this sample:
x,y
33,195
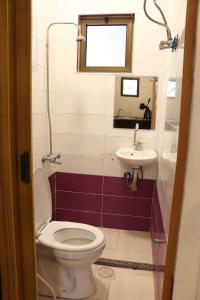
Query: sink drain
x,y
106,272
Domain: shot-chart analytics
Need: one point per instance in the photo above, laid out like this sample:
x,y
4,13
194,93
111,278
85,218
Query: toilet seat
x,y
70,236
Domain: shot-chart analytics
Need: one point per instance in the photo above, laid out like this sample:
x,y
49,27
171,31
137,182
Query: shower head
x,y
169,43
80,38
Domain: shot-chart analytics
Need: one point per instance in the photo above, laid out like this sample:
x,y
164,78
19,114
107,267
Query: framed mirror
x,y
135,102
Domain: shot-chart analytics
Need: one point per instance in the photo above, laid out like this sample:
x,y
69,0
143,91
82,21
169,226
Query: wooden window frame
x,y
120,19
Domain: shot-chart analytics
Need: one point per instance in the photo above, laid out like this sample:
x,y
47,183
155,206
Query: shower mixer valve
x,y
52,158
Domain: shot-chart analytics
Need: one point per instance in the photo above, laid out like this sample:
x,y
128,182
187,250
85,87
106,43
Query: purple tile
x,y
159,250
127,206
79,216
79,201
79,183
53,197
118,186
125,222
53,215
52,182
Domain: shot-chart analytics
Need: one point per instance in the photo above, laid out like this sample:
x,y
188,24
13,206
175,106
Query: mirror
x,y
135,102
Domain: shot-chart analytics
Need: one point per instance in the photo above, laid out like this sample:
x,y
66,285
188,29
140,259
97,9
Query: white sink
x,y
136,158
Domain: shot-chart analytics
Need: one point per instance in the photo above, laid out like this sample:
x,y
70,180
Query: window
x,y
108,46
130,87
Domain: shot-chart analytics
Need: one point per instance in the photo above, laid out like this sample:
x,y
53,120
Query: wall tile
x,y
125,222
80,124
52,182
79,201
127,206
90,218
79,183
118,186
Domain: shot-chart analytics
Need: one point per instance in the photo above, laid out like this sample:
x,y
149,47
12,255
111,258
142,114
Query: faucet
x,y
52,158
120,109
136,145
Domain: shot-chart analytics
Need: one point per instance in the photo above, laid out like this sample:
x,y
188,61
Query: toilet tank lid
x,y
42,199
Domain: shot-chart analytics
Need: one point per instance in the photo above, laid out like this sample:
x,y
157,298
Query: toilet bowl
x,y
65,250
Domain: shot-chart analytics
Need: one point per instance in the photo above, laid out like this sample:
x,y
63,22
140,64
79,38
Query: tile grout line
x,y
97,212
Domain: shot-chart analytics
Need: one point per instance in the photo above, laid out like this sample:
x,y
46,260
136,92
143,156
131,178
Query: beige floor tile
x,y
134,240
135,256
102,288
129,286
111,236
108,253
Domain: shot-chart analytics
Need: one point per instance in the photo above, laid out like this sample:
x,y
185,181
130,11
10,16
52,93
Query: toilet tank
x,y
42,199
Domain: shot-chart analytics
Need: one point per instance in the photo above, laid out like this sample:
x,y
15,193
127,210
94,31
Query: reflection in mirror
x,y
135,102
130,87
171,88
173,106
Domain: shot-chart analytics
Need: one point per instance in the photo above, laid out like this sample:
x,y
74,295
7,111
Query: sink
x,y
136,158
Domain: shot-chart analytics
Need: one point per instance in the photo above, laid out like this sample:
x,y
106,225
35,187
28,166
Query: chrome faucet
x,y
136,145
120,109
52,158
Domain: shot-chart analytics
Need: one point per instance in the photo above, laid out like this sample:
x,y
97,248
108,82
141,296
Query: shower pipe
x,y
163,44
51,157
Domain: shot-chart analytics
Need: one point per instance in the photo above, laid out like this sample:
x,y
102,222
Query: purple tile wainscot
x,y
159,250
103,201
52,182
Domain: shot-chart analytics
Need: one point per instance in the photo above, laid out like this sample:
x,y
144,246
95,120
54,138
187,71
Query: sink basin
x,y
136,158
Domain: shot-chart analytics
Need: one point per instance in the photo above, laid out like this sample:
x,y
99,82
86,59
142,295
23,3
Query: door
x,y
17,247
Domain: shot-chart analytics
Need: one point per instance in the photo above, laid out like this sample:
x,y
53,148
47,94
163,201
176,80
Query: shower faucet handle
x,y
52,158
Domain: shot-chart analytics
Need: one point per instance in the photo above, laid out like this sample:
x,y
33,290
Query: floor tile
x,y
131,287
134,240
108,253
111,236
135,256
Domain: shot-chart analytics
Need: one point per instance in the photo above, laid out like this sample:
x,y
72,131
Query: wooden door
x,y
17,247
186,98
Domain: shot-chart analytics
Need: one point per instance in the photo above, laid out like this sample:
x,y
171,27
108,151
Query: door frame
x,y
186,101
17,248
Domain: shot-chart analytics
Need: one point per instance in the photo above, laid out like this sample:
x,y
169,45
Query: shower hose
x,y
48,285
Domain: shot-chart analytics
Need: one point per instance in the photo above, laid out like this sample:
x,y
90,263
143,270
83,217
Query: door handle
x,y
25,167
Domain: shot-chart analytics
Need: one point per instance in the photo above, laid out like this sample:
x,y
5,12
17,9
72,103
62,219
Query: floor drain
x,y
106,272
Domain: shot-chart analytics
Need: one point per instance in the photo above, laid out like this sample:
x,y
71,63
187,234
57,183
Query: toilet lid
x,y
42,199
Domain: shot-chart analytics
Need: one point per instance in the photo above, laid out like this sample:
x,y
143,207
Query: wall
x,y
84,102
42,12
168,141
187,280
102,201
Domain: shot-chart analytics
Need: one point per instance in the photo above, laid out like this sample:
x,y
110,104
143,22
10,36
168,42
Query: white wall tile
x,y
81,103
80,144
80,124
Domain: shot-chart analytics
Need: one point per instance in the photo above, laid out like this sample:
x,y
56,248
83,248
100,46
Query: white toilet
x,y
65,250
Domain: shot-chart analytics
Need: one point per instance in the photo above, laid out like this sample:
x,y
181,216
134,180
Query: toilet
x,y
65,250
